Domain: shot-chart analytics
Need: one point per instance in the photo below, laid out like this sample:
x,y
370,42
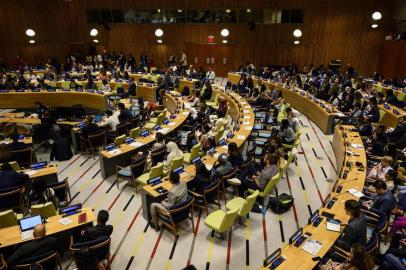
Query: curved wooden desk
x,y
57,98
345,141
243,113
110,159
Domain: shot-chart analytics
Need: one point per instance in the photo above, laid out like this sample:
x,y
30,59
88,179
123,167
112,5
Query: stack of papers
x,y
356,192
246,111
247,117
356,145
27,235
312,246
115,152
248,128
65,221
31,172
136,144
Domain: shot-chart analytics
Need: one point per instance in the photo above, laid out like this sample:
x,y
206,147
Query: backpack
x,y
281,203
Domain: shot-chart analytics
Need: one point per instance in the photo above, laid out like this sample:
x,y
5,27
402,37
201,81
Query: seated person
x,y
40,245
384,200
174,152
235,155
365,128
373,112
89,127
221,167
355,232
359,259
378,142
395,254
286,133
11,179
261,178
41,194
125,114
110,121
159,143
202,179
105,86
132,89
293,121
379,171
16,144
101,229
185,91
208,91
176,195
397,136
61,149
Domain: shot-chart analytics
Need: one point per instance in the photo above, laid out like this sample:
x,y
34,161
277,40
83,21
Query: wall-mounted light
x,y
225,32
248,10
225,41
376,15
159,32
228,10
31,41
179,10
29,32
375,25
94,32
296,42
95,40
159,41
297,33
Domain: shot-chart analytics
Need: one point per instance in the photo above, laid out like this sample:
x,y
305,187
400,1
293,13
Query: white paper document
x,y
185,113
312,246
65,221
248,128
332,226
246,111
31,172
115,152
356,192
241,137
356,145
27,235
136,144
247,117
170,124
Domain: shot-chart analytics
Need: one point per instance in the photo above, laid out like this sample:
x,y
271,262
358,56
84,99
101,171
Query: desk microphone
x,y
343,182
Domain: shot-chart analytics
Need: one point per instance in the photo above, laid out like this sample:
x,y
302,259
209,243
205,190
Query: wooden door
x,y
218,56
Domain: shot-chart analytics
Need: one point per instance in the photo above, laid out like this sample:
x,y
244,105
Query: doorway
x,y
218,56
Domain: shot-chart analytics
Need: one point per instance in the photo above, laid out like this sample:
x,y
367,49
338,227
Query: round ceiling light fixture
x,y
31,41
29,32
159,32
375,25
94,32
159,41
376,15
225,32
296,42
297,33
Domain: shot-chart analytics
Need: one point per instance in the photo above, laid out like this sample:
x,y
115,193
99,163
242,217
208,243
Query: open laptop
x,y
98,118
27,226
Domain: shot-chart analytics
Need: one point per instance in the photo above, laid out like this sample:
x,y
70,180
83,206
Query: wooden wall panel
x,y
332,30
393,60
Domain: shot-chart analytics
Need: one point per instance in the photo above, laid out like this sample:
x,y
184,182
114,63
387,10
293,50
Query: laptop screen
x,y
30,222
98,118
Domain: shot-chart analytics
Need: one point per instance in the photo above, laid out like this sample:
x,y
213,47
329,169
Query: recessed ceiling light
x,y
376,15
30,32
225,32
159,32
95,40
228,11
248,10
296,42
375,25
225,41
31,41
297,33
159,41
94,32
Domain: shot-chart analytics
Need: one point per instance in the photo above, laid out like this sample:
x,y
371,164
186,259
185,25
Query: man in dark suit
x,y
40,245
384,200
10,178
125,114
101,229
132,88
90,127
16,144
356,229
61,149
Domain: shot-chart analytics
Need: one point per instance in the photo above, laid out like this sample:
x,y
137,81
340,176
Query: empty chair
x,y
11,199
135,132
194,153
119,140
244,205
7,219
177,214
176,163
156,171
158,156
94,142
210,196
22,156
221,222
46,210
132,172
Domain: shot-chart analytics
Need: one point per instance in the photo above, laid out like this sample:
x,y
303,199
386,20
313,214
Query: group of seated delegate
x,y
354,96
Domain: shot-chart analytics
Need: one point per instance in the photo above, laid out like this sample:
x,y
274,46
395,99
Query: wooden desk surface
x,y
240,136
26,140
11,235
50,169
390,119
296,258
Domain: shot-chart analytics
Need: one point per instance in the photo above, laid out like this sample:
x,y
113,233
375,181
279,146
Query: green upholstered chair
x,y
381,115
176,163
291,156
155,121
135,132
244,205
214,102
269,187
119,140
45,210
7,219
218,135
221,222
157,170
194,153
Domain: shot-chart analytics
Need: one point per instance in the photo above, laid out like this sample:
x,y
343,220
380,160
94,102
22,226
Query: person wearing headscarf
x,y
174,152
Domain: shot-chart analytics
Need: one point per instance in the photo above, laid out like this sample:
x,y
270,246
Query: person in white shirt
x,y
210,75
111,120
379,171
183,59
105,86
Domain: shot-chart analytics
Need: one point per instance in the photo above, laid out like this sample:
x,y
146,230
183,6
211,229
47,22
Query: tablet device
x,y
30,223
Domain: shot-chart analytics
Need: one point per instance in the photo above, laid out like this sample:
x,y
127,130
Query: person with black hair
x,y
286,133
16,144
159,142
208,91
221,167
110,121
105,86
177,194
125,114
89,128
373,112
356,229
293,121
61,148
41,194
101,229
235,155
10,178
202,179
41,109
384,200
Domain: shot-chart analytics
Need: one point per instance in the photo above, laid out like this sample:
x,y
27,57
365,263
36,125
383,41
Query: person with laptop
x,y
356,229
111,121
40,245
176,195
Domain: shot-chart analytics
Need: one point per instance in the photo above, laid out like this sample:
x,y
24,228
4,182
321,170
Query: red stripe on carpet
x,y
70,164
311,172
228,250
156,244
264,228
294,208
114,202
132,221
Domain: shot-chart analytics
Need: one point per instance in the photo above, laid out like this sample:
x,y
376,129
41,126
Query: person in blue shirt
x,y
384,200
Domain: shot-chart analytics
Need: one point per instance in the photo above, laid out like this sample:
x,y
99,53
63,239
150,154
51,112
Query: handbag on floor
x,y
280,204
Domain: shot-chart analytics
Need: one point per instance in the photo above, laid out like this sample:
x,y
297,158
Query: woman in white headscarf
x,y
174,152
